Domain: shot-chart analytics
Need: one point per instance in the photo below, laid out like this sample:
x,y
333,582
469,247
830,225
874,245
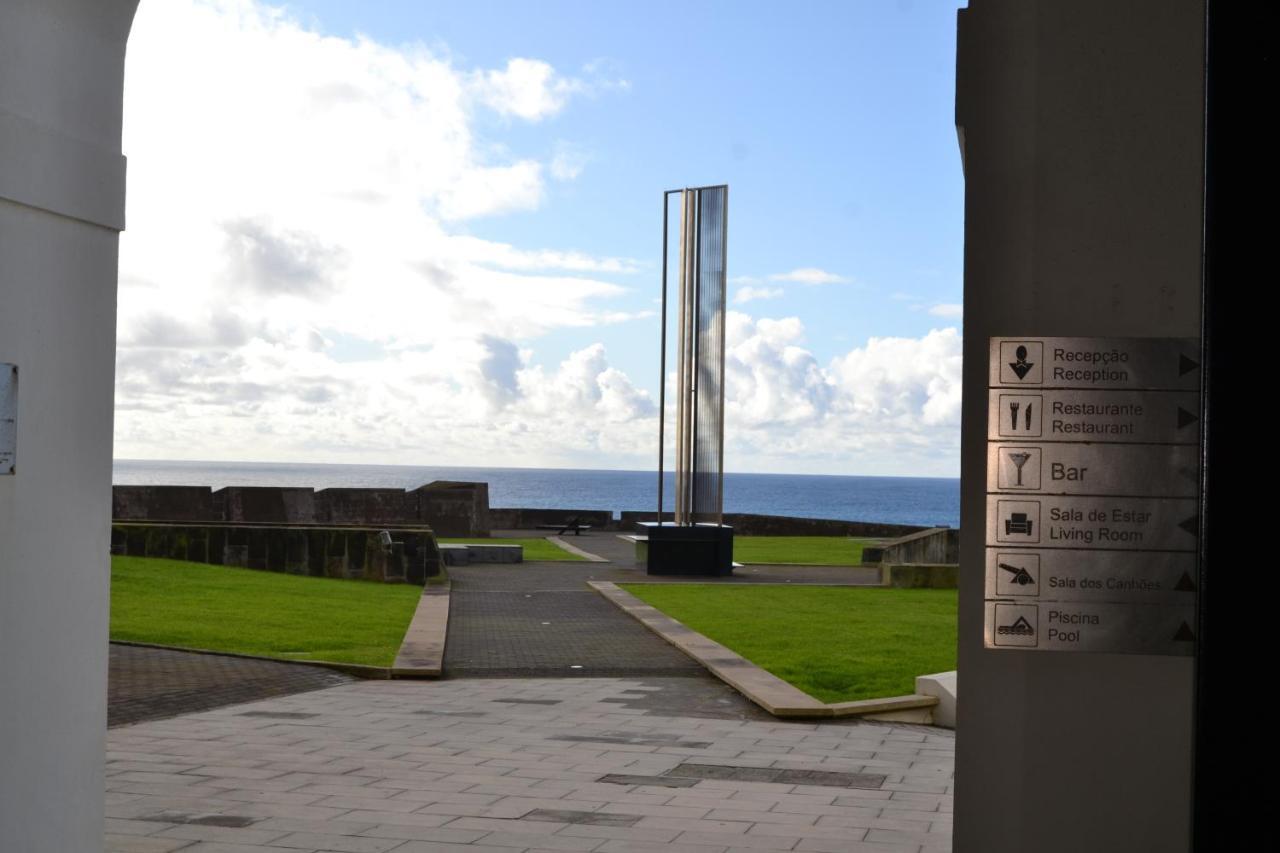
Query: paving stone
x,y
593,818
376,773
447,847
150,684
660,781
623,846
139,844
525,840
782,776
337,843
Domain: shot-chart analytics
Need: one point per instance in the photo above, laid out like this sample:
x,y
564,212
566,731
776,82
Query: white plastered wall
x,y
61,210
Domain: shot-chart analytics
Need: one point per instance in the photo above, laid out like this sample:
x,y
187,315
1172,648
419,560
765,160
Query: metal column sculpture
x,y
696,541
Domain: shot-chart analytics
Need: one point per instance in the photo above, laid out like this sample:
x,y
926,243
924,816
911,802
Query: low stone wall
x,y
749,524
935,545
333,552
920,576
521,518
458,509
166,503
448,508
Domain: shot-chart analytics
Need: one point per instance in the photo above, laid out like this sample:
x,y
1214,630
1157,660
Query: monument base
x,y
698,550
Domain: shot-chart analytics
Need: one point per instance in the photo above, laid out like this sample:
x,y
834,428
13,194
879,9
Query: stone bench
x,y
481,552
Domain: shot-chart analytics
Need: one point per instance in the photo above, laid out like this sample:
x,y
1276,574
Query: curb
x,y
586,555
356,669
764,688
421,652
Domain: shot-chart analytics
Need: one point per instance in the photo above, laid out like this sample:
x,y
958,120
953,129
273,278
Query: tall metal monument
x,y
696,540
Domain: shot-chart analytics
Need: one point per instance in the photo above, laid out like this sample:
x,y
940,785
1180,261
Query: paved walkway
x,y
149,684
541,619
501,766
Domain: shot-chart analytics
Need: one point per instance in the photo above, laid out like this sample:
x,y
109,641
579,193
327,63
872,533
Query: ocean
x,y
897,500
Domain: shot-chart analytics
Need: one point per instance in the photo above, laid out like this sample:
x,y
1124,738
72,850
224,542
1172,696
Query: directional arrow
x,y
1184,635
1191,525
1185,584
1186,418
1186,365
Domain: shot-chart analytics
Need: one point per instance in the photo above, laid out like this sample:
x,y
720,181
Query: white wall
x,y
61,208
1083,144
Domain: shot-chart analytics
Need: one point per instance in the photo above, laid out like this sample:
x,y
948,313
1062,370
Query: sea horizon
x,y
846,497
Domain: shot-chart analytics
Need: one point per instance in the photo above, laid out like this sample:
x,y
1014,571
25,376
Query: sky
x,y
399,232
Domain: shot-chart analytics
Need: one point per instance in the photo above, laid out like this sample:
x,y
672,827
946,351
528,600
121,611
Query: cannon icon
x,y
1021,576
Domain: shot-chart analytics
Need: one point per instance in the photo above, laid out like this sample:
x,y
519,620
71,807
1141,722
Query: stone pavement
x,y
502,765
541,619
148,684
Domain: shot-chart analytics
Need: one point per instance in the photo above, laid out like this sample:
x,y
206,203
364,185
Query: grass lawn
x,y
176,603
535,548
813,550
837,644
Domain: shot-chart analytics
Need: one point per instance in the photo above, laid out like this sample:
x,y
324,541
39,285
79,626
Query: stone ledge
x,y
764,688
421,652
943,686
586,555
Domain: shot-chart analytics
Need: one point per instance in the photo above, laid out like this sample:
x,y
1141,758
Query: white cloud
x,y
527,88
809,275
300,204
889,407
509,257
947,309
313,180
750,294
568,161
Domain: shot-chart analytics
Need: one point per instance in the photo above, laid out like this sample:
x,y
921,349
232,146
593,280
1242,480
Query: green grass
x,y
535,548
811,550
176,603
837,644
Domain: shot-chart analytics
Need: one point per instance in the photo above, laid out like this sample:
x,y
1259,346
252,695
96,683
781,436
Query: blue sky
x,y
429,233
831,122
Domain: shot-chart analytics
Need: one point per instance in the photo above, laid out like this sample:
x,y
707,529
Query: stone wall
x,y
264,505
448,508
163,503
938,545
920,575
333,552
520,518
749,524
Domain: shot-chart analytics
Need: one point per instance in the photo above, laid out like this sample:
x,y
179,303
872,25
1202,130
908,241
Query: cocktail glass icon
x,y
1018,460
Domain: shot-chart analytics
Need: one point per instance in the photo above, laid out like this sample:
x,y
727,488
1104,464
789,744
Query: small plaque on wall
x,y
8,418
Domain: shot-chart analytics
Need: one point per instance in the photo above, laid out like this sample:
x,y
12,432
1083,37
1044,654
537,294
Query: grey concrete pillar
x,y
1081,127
61,210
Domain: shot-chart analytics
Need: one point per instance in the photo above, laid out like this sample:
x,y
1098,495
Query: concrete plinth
x,y
695,550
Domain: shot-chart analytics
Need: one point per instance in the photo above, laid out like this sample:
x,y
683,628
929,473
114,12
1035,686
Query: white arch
x,y
61,211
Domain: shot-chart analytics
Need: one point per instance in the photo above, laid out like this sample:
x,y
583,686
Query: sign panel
x,y
1167,364
1161,471
1078,626
1054,521
1023,574
1120,417
1093,484
8,418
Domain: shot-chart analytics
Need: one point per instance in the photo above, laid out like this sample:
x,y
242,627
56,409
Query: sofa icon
x,y
1017,523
